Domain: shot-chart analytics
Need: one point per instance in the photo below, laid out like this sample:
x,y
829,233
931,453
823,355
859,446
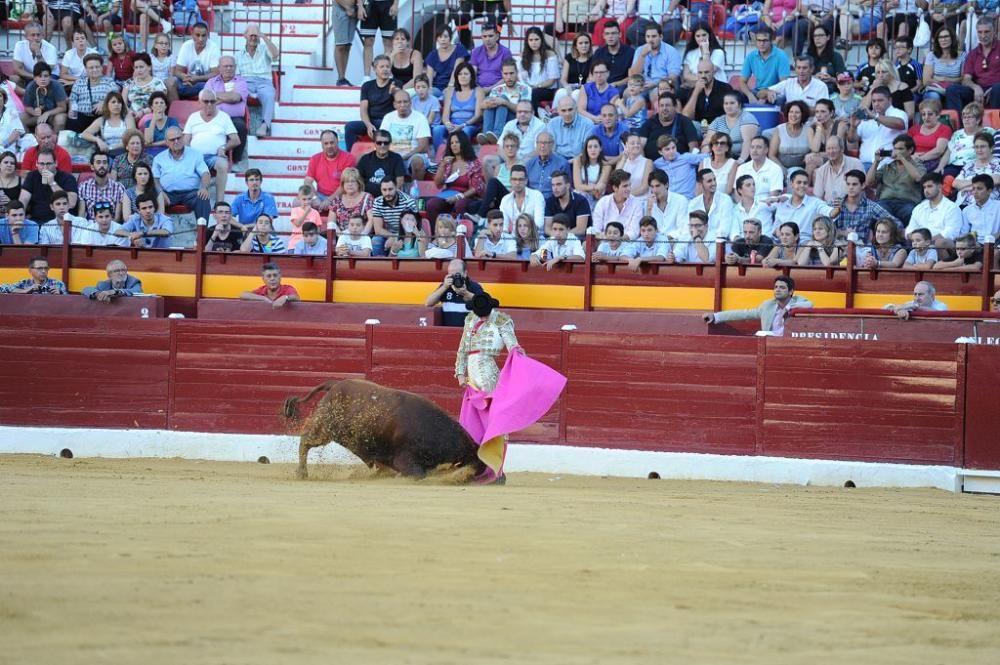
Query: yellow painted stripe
x,y
879,300
11,275
536,295
415,293
750,298
652,297
231,286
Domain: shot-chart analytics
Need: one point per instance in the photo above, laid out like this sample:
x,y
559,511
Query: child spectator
x,y
412,240
51,232
561,245
922,256
612,249
679,167
354,242
121,59
263,239
45,100
302,213
526,236
424,101
649,247
492,242
970,255
632,104
444,244
312,243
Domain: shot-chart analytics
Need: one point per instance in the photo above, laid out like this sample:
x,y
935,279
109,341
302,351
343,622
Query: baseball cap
x,y
844,76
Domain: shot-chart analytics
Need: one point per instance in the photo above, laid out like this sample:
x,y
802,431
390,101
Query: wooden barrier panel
x,y
234,376
77,305
873,401
84,372
982,418
653,392
216,309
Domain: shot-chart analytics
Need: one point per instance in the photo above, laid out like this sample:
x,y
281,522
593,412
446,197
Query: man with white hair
x,y
119,284
211,132
231,91
181,174
923,300
255,65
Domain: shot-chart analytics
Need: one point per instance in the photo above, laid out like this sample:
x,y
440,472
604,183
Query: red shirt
x,y
283,290
63,161
988,76
927,142
326,172
123,65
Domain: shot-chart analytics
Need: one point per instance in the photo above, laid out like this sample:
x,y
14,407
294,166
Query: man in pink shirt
x,y
980,73
231,90
326,167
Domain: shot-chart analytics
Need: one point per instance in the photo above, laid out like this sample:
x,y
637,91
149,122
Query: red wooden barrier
x,y
982,418
215,309
77,305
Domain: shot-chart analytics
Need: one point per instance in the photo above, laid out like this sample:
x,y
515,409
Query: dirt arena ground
x,y
179,561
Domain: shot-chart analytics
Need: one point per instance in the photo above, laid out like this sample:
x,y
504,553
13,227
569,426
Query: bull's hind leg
x,y
406,464
314,435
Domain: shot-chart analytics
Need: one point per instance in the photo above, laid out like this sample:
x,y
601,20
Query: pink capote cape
x,y
525,391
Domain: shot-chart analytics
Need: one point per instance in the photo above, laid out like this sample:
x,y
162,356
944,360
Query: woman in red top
x,y
460,176
931,136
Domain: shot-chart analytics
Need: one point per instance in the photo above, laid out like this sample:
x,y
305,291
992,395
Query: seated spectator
x,y
101,188
51,232
148,228
668,122
463,105
45,139
561,245
619,206
856,212
961,146
30,51
845,100
497,186
273,291
786,253
37,192
411,135
827,61
820,250
771,313
385,214
567,202
500,105
424,102
522,199
303,213
354,242
137,90
444,243
352,200
231,90
679,167
982,215
44,100
937,214
766,66
970,256
262,239
12,134
163,60
211,133
123,167
13,223
493,242
197,61
876,128
488,58
181,174
799,206
107,131
569,130
613,249
459,176
668,208
718,209
720,163
802,87
611,132
39,281
736,124
706,101
699,248
617,54
768,177
748,207
635,162
223,237
924,300
249,205
86,100
980,71
154,128
824,126
539,68
255,63
120,58
412,241
922,256
984,164
752,247
382,163
931,135
526,236
790,141
649,247
455,290
119,284
440,63
591,168
376,102
526,127
830,179
898,178
545,162
886,250
143,175
594,95
656,61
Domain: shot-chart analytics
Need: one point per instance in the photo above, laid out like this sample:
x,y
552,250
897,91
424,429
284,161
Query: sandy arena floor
x,y
177,561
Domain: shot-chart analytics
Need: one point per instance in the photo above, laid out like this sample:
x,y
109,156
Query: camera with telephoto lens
x,y
458,281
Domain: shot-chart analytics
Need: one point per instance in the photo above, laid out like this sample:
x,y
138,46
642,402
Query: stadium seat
x,y
487,150
182,109
7,67
360,149
991,118
956,122
428,188
178,209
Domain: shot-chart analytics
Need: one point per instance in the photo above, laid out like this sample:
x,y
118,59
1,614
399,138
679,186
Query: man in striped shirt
x,y
386,212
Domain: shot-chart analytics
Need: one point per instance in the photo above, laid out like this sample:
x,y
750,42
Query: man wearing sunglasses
x,y
101,231
180,172
381,164
119,284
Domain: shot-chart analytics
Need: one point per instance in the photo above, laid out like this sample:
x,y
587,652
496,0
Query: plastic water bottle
x,y
415,193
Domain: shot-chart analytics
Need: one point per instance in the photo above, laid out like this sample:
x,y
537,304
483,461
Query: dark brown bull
x,y
384,427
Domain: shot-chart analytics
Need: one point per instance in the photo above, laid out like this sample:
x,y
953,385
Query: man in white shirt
x,y
701,248
526,126
878,128
619,206
937,214
492,242
767,174
923,300
982,216
562,246
802,87
800,207
197,61
51,232
669,209
718,208
101,231
212,133
748,206
411,135
30,51
522,199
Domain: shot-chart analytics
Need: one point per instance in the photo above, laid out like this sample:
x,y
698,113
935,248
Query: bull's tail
x,y
291,408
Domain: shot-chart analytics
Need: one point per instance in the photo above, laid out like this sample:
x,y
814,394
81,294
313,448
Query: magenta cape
x,y
525,391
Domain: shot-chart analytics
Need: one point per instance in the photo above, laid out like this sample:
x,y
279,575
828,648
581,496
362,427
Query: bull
x,y
384,427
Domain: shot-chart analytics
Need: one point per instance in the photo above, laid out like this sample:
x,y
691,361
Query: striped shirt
x,y
390,214
90,193
86,95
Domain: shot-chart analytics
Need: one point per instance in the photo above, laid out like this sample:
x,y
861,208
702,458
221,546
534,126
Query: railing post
x,y
588,271
986,286
201,239
331,227
852,274
67,229
720,274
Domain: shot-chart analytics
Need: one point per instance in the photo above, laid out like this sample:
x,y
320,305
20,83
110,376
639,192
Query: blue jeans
x,y
495,119
189,91
378,245
201,207
439,133
354,130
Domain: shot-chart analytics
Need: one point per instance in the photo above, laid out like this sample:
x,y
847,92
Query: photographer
x,y
876,128
39,282
455,290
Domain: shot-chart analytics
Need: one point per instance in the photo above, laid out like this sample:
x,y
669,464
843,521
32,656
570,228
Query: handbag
x,y
923,36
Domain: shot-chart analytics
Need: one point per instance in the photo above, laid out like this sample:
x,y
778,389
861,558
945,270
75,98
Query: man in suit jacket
x,y
118,284
772,313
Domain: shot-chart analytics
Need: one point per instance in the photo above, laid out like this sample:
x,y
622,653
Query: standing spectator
x,y
830,181
44,100
223,237
375,16
441,62
211,132
545,162
668,208
739,125
522,200
51,232
539,67
86,100
37,191
526,126
488,58
771,313
45,139
855,211
101,188
385,214
459,176
353,200
263,239
923,300
255,65
980,72
768,176
748,206
667,121
937,214
380,164
376,100
570,129
878,127
181,174
501,103
616,54
898,178
39,282
30,51
565,201
718,209
619,206
273,291
656,61
800,207
984,164
254,202
982,215
345,25
231,91
411,135
766,66
802,87
197,61
327,167
463,105
752,246
706,101
148,228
